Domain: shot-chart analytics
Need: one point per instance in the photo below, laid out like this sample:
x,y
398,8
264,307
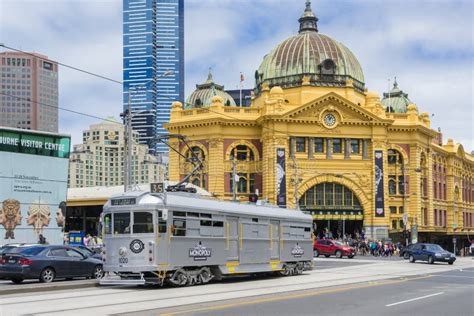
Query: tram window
x,y
206,223
218,224
255,220
142,223
122,223
205,215
108,224
179,227
161,226
179,214
190,214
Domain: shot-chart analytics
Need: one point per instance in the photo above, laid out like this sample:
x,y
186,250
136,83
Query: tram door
x,y
233,239
275,240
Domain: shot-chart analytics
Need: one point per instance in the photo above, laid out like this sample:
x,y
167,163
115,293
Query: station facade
x,y
316,138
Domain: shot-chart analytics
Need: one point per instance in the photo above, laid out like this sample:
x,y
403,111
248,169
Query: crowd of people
x,y
364,246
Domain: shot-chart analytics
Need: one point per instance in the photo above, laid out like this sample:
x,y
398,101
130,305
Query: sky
x,y
427,44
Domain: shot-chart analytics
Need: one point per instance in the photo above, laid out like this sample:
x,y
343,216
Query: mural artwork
x,y
10,217
39,216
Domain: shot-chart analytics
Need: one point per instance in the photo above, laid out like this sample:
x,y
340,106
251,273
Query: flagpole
x,y
241,76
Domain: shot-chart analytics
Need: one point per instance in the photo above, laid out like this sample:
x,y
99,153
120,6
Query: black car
x,y
47,263
430,253
86,251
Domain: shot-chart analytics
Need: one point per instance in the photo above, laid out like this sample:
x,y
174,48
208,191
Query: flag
x,y
242,77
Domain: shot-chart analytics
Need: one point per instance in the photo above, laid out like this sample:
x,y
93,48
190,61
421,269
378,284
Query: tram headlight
x,y
122,251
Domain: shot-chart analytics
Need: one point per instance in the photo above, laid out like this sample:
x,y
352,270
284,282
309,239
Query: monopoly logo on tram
x,y
297,251
200,253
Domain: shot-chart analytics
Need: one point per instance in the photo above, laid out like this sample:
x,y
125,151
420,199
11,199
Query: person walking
x,y
42,239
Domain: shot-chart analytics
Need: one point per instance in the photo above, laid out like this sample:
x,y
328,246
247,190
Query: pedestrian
x,y
42,239
86,240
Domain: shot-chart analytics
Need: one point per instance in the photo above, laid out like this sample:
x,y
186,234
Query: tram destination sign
x,y
126,201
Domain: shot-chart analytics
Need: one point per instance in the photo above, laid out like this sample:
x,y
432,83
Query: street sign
x,y
405,219
454,240
157,187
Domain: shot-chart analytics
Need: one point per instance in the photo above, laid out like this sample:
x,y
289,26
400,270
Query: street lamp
x,y
405,213
128,116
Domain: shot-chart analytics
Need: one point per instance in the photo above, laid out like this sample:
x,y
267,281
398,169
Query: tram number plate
x,y
123,260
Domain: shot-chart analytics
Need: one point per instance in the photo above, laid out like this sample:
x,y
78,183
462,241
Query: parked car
x,y
9,247
328,248
430,253
47,263
86,251
404,251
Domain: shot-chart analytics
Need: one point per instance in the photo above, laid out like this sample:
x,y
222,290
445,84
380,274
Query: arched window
x,y
392,187
195,153
242,153
394,157
328,67
244,180
198,103
329,196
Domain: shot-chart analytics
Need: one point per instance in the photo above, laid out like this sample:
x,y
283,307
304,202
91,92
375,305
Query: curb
x,y
34,287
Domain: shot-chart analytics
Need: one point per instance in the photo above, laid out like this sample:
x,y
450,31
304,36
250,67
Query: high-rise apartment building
x,y
99,160
153,64
28,91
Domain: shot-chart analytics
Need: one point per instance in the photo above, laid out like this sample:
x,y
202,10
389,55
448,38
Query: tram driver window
x,y
142,223
121,223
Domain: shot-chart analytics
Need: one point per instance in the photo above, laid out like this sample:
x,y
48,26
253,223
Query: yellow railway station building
x,y
316,138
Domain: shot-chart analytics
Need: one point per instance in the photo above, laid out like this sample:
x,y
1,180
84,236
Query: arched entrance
x,y
336,210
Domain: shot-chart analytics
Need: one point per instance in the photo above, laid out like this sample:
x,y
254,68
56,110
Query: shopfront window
x,y
121,223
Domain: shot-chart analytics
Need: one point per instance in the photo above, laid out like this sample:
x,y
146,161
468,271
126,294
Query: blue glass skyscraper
x,y
153,64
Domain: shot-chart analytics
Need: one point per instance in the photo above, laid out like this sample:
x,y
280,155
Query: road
x,y
334,287
441,294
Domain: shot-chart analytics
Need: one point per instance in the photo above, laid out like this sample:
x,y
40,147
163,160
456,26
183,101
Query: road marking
x,y
287,297
453,276
414,299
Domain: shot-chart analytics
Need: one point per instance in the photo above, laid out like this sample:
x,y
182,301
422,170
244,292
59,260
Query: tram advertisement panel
x,y
281,177
33,186
379,194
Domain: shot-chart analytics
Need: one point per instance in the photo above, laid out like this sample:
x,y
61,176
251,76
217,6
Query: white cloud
x,y
427,44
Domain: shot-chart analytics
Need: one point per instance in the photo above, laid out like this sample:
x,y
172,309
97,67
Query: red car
x,y
328,247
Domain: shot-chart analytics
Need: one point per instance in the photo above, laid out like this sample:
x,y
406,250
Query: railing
x,y
243,166
227,109
187,167
317,80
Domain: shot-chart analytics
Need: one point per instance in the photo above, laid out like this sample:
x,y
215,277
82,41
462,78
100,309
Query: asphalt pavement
x,y
445,293
359,286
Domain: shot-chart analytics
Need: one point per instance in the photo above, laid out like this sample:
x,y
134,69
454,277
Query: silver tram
x,y
184,239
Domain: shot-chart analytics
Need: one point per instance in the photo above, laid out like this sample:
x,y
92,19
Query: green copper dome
x,y
395,101
324,60
202,96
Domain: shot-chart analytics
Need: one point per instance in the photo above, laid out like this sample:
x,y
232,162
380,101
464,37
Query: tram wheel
x,y
205,275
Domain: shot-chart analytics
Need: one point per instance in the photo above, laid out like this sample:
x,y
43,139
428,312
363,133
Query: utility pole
x,y
128,144
405,213
234,176
296,182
